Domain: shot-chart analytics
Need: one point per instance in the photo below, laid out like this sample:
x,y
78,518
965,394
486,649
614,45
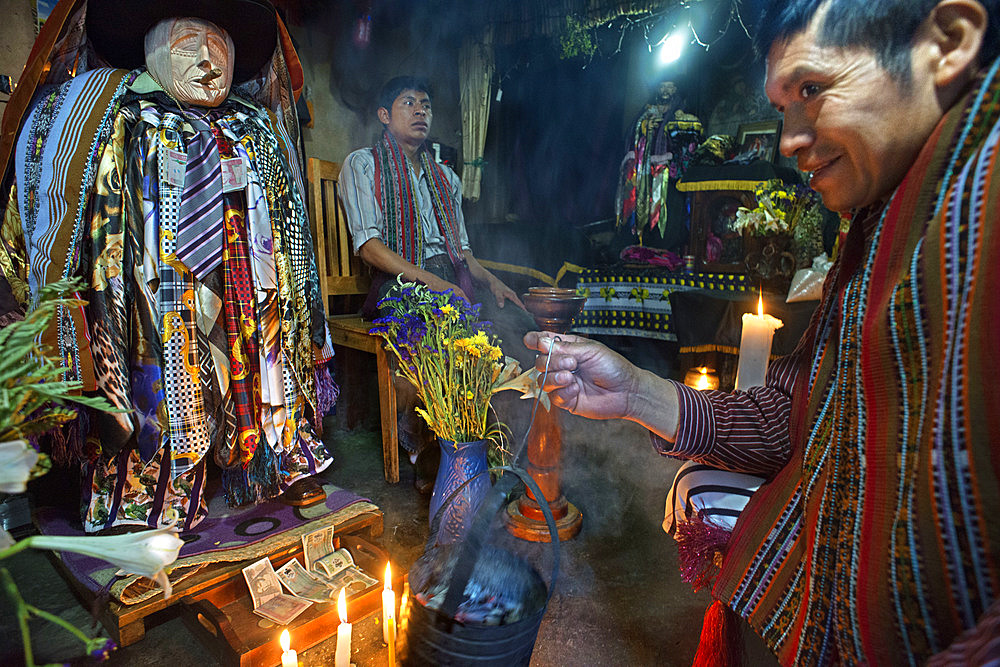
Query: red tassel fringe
x,y
700,546
721,643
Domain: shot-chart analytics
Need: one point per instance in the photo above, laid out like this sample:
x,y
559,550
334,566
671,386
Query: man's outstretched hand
x,y
584,376
590,380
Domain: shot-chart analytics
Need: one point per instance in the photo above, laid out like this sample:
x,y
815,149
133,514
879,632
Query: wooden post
x,y
553,309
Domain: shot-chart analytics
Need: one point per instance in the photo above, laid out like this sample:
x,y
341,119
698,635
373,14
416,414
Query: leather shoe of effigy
x,y
303,492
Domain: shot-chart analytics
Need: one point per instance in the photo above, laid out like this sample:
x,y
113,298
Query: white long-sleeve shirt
x,y
365,218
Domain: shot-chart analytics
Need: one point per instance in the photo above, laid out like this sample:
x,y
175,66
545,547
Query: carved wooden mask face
x,y
192,59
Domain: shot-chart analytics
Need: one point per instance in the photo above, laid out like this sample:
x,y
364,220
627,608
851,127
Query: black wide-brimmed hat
x,y
117,28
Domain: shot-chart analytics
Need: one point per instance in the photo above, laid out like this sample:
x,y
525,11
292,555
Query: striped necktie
x,y
200,229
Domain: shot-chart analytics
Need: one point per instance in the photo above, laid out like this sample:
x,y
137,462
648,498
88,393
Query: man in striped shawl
x,y
405,216
875,537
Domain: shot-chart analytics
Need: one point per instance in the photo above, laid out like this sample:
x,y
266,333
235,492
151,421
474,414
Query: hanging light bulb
x,y
362,33
672,47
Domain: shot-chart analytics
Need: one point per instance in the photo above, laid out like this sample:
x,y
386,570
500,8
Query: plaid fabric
x,y
294,261
241,332
189,435
251,314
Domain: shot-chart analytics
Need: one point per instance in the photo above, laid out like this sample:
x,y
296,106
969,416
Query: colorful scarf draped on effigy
x,y
661,150
879,542
395,196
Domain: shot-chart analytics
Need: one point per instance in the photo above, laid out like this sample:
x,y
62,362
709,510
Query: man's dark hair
x,y
886,27
393,87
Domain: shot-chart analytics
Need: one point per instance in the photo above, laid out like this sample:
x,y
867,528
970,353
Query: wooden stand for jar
x,y
553,309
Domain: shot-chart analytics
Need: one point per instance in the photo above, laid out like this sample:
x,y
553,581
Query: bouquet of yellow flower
x,y
450,357
781,208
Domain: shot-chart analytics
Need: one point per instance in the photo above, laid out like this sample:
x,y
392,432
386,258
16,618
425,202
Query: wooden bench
x,y
341,273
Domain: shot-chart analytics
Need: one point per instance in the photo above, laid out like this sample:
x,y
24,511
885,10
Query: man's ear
x,y
383,115
957,29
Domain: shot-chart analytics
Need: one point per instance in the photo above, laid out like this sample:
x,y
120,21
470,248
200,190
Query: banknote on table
x,y
282,609
304,585
317,544
352,580
332,563
265,590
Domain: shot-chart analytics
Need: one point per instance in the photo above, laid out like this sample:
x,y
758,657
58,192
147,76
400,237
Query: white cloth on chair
x,y
719,494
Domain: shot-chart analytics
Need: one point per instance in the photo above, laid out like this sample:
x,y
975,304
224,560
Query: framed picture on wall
x,y
718,247
42,10
760,138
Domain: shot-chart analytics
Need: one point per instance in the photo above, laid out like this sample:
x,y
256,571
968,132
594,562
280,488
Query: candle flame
x,y
760,305
285,640
388,577
342,606
702,380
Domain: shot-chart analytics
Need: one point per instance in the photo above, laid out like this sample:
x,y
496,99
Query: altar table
x,y
635,301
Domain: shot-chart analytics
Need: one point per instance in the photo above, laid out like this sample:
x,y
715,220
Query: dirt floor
x,y
619,599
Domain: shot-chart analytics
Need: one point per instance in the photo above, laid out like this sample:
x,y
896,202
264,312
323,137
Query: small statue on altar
x,y
662,146
203,322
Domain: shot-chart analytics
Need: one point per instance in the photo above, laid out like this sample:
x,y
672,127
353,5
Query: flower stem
x,y
65,625
20,611
15,548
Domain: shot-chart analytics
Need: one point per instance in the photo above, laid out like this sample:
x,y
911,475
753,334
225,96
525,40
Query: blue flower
x,y
104,651
386,300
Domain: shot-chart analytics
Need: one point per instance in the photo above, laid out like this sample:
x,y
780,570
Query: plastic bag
x,y
807,284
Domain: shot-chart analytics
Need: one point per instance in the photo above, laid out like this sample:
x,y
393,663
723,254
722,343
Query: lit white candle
x,y
343,655
755,347
391,641
288,657
388,607
404,599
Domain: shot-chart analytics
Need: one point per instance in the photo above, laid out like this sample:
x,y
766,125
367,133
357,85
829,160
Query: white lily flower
x,y
146,553
527,383
511,368
17,458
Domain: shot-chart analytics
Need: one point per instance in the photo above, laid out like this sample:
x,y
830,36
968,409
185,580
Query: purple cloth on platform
x,y
224,528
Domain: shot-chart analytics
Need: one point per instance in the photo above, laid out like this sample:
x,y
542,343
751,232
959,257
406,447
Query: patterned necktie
x,y
200,232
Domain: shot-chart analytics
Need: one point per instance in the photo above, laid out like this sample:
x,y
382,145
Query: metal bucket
x,y
435,637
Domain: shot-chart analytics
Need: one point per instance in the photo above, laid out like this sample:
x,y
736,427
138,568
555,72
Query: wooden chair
x,y
341,273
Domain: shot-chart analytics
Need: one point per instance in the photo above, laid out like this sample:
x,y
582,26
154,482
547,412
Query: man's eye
x,y
809,90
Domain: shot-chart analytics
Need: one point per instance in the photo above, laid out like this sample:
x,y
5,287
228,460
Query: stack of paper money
x,y
334,567
268,600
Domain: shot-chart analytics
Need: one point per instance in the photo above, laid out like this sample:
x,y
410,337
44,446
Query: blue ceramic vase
x,y
459,462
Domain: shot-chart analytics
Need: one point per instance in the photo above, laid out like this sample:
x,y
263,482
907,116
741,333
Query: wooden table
x,y
222,616
126,624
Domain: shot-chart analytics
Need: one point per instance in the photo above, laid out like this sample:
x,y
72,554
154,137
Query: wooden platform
x,y
222,616
126,624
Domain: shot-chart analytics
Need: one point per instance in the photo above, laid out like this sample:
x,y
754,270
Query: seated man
x,y
405,216
190,233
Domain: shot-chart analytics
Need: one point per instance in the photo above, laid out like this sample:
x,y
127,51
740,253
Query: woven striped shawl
x,y
394,193
58,150
879,542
